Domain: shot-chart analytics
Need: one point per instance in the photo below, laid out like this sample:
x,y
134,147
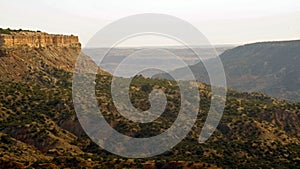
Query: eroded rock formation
x,y
38,39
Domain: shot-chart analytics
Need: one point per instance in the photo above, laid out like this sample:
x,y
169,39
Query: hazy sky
x,y
221,21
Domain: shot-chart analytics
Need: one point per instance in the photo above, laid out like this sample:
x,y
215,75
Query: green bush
x,y
5,31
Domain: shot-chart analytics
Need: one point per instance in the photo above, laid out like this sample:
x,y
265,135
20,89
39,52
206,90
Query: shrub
x,y
5,31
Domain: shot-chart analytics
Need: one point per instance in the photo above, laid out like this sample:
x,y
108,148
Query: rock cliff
x,y
24,52
38,39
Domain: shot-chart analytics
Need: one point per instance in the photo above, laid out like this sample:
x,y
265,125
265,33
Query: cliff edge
x,y
37,40
23,53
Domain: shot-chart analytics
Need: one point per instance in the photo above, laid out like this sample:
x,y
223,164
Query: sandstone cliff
x,y
38,39
24,52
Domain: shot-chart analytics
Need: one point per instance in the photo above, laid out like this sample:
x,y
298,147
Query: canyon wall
x,y
38,39
25,52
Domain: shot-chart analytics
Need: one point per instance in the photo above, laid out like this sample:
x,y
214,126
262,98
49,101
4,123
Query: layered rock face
x,y
38,39
25,52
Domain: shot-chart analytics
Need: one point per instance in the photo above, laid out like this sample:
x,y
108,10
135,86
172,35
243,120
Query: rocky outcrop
x,y
38,40
24,52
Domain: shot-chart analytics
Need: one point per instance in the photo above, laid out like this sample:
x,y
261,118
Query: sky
x,y
221,21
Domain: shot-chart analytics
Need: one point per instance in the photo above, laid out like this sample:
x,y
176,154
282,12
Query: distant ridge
x,y
269,67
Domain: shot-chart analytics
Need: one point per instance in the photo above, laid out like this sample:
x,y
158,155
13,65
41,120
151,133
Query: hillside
x,y
39,128
268,67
